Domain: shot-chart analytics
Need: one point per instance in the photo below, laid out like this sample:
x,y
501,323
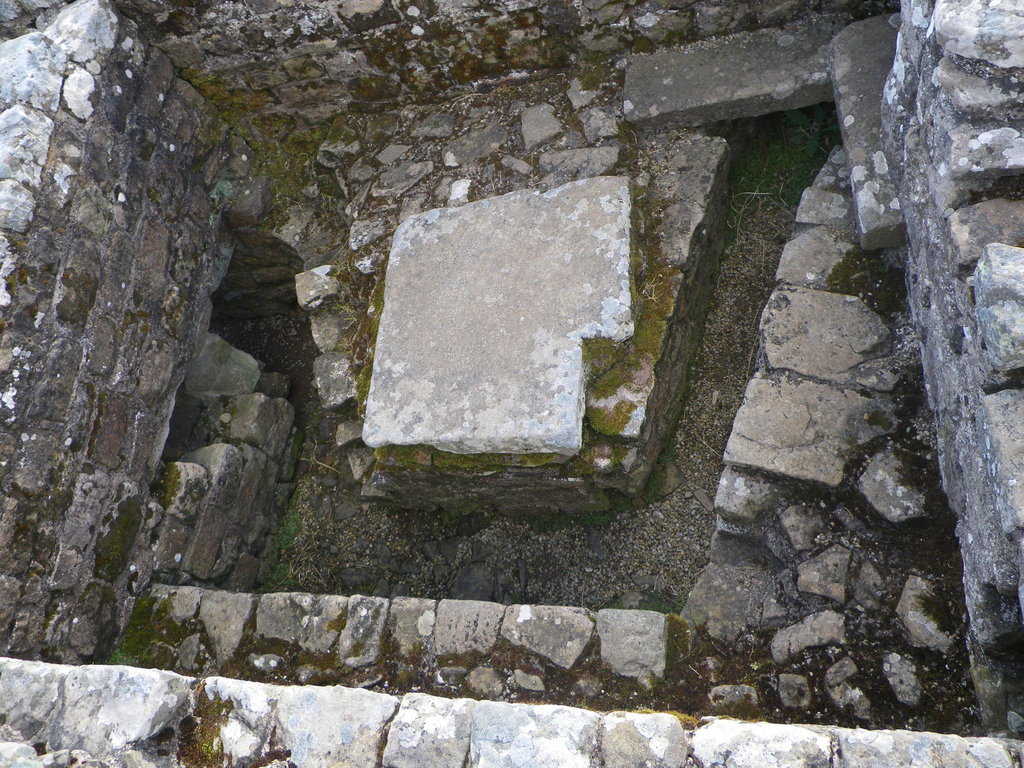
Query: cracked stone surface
x,y
480,342
802,429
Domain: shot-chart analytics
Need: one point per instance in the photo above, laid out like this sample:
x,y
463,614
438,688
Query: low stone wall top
x,y
125,716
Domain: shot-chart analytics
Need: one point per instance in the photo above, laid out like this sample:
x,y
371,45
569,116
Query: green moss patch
x,y
114,548
867,275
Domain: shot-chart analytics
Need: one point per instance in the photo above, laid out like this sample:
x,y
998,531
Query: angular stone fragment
x,y
740,76
825,574
886,490
523,736
631,740
261,421
475,144
503,372
539,124
827,336
465,626
802,429
224,615
401,178
599,123
901,673
809,258
819,629
742,497
486,683
766,745
105,708
24,144
334,380
31,71
633,642
794,691
332,725
984,98
1002,425
29,692
992,32
724,698
429,731
567,164
862,56
803,526
987,153
973,227
916,612
220,369
359,642
248,726
999,298
824,207
300,618
555,632
314,287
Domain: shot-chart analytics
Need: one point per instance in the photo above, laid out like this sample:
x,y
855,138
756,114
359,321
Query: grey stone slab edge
x,y
113,713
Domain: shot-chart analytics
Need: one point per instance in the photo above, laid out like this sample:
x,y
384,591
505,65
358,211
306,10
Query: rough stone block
x,y
985,153
17,206
991,32
84,30
248,727
411,623
539,124
334,380
824,206
740,76
633,642
802,429
557,633
727,600
312,288
474,353
29,692
863,747
521,736
827,336
630,739
24,144
261,421
733,743
993,221
1002,427
300,618
104,708
359,643
466,626
862,56
914,610
999,298
333,725
429,731
887,492
743,498
220,369
809,258
224,615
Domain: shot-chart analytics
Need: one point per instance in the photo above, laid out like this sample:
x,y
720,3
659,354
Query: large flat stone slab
x,y
862,55
828,336
753,73
1002,425
999,298
802,429
479,348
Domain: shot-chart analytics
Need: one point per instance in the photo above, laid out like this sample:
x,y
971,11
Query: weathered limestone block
x,y
825,574
824,207
729,742
982,152
314,286
523,737
84,30
983,98
451,384
224,615
1002,431
466,626
24,144
246,731
333,725
221,369
973,227
633,642
999,298
29,693
555,632
31,71
429,731
104,708
629,739
742,497
305,619
411,623
863,747
862,56
802,429
827,336
975,29
260,421
740,76
334,380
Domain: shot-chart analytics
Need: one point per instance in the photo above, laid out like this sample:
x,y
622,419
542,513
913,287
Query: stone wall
x,y
953,132
119,716
108,260
317,58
